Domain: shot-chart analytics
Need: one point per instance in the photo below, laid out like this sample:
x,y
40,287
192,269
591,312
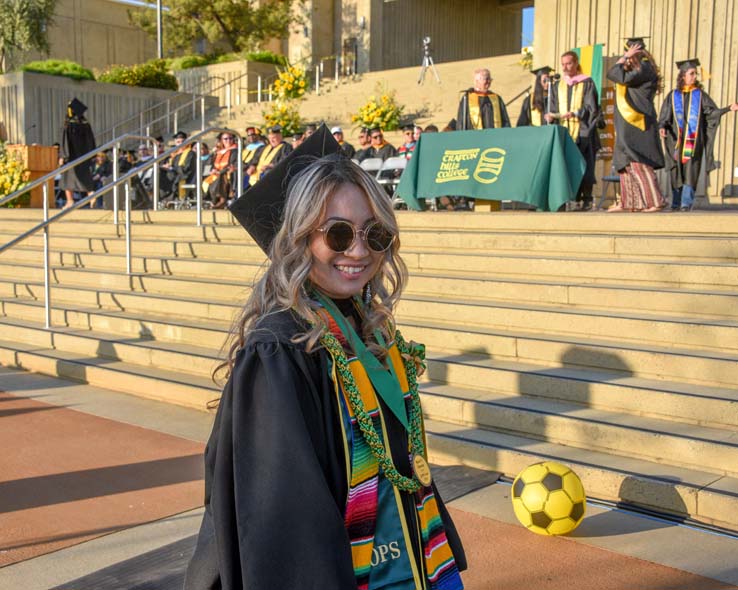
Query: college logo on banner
x,y
490,165
457,165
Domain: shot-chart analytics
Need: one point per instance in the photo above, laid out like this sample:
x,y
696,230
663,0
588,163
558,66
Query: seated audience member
x,y
346,148
417,132
479,108
102,171
309,130
379,148
254,146
364,143
297,138
218,186
271,155
430,129
408,147
182,166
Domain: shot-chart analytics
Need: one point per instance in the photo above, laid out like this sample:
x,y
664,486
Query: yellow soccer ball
x,y
548,498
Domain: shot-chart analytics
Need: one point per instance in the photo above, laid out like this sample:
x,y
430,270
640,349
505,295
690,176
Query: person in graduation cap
x,y
479,108
316,468
576,106
77,140
536,106
637,145
688,123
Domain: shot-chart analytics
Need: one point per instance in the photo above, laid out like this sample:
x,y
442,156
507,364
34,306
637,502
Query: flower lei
x,y
412,358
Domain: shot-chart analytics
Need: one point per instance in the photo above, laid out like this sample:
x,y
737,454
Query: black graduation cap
x,y
692,62
180,135
635,41
259,210
76,108
542,70
408,127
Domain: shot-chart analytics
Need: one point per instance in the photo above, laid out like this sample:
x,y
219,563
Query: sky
x,y
527,37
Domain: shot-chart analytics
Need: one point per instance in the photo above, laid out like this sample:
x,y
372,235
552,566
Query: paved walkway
x,y
77,453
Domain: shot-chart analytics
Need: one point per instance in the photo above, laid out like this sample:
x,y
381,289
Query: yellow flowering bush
x,y
284,113
526,57
13,176
291,83
382,111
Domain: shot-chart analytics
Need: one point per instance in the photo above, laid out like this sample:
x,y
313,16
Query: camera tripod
x,y
427,63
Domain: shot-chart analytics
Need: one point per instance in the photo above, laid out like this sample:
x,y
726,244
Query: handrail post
x,y
176,121
198,181
239,170
47,281
128,227
317,81
202,114
116,175
156,176
258,88
148,130
337,67
228,99
169,112
141,122
194,108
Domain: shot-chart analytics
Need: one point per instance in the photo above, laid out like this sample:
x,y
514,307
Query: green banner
x,y
590,58
537,165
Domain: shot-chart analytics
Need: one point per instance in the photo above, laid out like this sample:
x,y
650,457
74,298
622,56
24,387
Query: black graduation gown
x,y
524,119
588,141
77,140
275,474
348,150
632,144
486,111
689,173
386,151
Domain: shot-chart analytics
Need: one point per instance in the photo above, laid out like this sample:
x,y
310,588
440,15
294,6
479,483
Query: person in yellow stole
x,y
575,104
316,472
479,108
276,151
537,103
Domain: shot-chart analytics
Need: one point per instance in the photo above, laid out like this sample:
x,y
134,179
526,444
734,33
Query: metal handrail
x,y
517,96
195,96
126,178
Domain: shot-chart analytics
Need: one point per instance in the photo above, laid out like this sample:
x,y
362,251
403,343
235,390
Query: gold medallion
x,y
422,470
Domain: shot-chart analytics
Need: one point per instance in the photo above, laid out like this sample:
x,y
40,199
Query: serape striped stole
x,y
687,138
360,518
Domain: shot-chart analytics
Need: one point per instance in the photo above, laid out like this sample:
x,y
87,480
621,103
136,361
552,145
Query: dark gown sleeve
x,y
619,75
462,114
590,110
712,114
275,479
524,118
503,113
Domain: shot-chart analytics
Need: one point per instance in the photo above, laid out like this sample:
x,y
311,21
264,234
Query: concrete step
x,y
683,492
694,248
591,388
652,439
152,383
714,369
637,327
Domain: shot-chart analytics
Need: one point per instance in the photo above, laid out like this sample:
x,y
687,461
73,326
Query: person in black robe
x,y
77,140
537,104
277,474
637,145
180,169
479,108
685,160
579,112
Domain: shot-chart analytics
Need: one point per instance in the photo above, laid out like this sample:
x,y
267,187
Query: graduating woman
x,y
688,122
316,472
536,106
637,145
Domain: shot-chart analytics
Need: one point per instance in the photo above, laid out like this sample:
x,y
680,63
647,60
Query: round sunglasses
x,y
340,236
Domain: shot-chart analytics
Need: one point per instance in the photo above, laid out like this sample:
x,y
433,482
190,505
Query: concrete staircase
x,y
609,342
424,104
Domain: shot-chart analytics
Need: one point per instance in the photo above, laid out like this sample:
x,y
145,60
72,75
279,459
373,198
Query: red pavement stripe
x,y
504,556
67,477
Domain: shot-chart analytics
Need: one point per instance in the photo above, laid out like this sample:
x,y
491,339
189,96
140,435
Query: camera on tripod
x,y
427,61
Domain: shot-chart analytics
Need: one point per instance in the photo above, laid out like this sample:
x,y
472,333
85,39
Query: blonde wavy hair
x,y
286,285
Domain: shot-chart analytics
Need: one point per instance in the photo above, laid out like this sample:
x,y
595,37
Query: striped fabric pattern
x,y
361,505
639,188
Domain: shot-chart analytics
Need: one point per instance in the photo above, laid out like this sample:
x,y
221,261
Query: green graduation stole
x,y
688,135
373,505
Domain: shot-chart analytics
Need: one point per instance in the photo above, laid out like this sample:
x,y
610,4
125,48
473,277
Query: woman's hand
x,y
549,118
734,107
662,132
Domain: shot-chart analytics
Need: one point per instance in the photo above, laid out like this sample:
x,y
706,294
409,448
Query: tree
x,y
241,25
24,26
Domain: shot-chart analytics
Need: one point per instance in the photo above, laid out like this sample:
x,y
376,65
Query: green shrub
x,y
267,57
59,67
152,74
188,61
226,57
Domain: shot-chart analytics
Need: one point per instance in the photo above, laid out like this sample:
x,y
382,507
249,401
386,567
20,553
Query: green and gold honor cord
x,y
412,356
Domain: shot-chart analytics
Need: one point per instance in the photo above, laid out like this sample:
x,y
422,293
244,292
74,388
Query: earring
x,y
368,294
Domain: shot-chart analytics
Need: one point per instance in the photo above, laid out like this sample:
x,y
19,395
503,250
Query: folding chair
x,y
371,164
611,179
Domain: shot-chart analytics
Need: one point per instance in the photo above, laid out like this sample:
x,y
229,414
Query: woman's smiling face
x,y
343,274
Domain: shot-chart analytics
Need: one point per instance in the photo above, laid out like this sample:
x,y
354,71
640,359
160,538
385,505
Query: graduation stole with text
x,y
362,502
475,111
573,106
687,138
